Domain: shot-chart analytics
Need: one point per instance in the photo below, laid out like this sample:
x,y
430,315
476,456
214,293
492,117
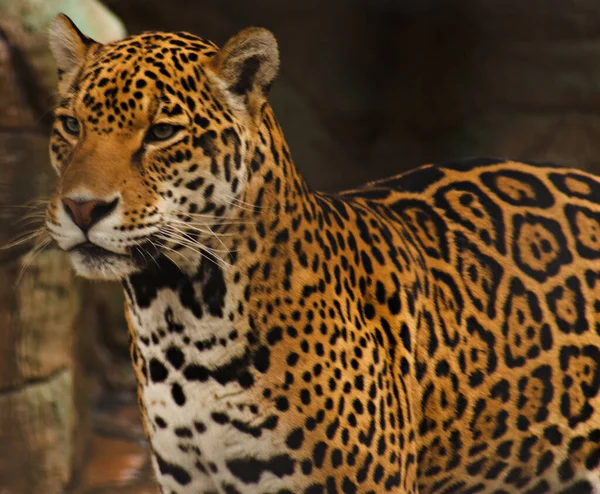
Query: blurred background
x,y
368,88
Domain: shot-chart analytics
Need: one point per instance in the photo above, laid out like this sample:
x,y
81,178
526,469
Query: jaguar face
x,y
150,144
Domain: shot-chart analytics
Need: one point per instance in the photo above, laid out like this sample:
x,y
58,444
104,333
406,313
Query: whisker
x,y
24,221
164,246
194,247
195,227
27,219
172,237
32,203
35,214
219,219
24,238
221,242
142,251
240,203
30,257
190,239
172,260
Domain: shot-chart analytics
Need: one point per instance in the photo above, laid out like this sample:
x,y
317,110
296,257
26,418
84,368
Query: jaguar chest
x,y
200,385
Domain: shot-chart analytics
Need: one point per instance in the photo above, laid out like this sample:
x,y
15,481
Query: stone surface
x,y
36,447
44,396
42,417
25,179
44,337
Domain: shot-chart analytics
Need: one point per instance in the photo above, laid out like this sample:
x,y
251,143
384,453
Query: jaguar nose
x,y
85,214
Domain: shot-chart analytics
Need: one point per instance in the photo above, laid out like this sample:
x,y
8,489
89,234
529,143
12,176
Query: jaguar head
x,y
151,143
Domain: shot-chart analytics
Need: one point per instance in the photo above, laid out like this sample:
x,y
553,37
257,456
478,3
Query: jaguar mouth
x,y
93,252
140,254
93,261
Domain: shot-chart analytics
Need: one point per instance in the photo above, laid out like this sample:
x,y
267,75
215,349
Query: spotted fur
x,y
434,332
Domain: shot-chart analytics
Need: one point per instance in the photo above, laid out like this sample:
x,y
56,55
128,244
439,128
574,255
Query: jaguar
x,y
433,332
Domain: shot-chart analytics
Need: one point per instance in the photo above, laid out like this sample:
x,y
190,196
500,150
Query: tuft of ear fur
x,y
68,44
247,65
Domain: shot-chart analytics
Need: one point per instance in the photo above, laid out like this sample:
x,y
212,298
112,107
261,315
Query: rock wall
x,y
44,393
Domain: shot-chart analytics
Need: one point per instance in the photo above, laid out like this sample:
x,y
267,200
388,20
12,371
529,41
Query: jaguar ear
x,y
68,44
247,65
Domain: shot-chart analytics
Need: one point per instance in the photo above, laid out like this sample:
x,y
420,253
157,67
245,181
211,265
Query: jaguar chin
x,y
92,261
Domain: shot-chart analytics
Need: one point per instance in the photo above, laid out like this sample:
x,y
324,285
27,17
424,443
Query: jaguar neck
x,y
275,202
276,192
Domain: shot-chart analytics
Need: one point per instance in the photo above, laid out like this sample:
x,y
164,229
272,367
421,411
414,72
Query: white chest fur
x,y
205,412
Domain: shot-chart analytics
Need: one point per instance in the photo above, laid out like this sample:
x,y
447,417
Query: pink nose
x,y
86,214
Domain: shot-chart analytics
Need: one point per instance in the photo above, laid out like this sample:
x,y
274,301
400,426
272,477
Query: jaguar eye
x,y
71,125
161,132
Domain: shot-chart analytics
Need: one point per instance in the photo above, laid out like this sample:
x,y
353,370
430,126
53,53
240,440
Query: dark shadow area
x,y
371,88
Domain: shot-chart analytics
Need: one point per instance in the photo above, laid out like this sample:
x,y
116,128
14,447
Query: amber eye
x,y
161,132
71,125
